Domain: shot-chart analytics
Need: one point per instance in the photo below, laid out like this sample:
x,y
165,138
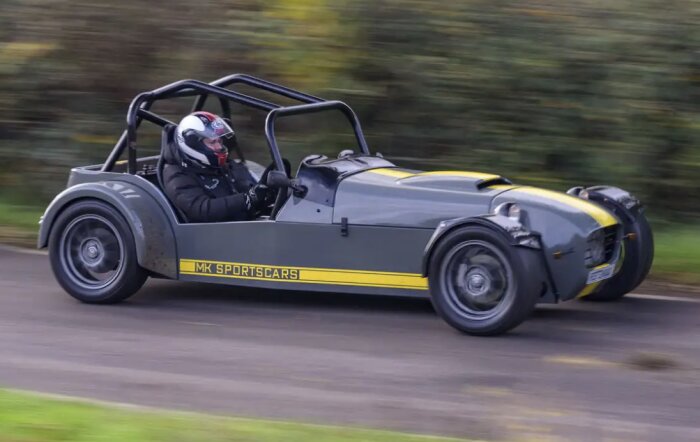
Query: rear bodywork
x,y
360,225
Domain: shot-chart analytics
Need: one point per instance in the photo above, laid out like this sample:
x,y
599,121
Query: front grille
x,y
610,233
601,246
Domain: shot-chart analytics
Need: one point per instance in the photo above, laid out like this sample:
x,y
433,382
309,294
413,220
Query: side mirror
x,y
277,179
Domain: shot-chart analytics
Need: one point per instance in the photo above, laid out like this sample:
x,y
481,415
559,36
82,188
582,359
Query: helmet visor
x,y
217,128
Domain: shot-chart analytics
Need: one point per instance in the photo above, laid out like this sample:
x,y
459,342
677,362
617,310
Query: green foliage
x,y
677,255
20,217
549,93
25,417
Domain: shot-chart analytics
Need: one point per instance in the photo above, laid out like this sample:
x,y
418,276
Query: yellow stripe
x,y
368,278
590,288
458,173
621,258
297,268
601,216
306,275
186,265
396,173
309,281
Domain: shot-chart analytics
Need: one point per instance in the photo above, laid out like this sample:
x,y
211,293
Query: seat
x,y
169,154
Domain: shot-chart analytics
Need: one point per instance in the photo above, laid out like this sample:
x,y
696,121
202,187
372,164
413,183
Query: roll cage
x,y
139,110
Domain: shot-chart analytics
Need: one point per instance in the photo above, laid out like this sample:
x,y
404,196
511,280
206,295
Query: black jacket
x,y
209,194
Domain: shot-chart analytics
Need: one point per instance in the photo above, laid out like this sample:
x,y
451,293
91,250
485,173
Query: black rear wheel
x,y
479,283
93,254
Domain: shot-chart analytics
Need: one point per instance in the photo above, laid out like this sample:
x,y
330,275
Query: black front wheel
x,y
479,283
93,254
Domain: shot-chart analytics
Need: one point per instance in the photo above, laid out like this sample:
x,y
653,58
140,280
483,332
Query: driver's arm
x,y
187,194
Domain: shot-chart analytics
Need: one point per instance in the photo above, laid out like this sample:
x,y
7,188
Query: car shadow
x,y
159,293
546,321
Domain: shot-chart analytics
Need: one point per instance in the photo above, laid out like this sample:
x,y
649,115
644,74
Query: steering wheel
x,y
281,196
273,166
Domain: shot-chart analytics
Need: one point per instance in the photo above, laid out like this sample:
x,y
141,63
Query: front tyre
x,y
93,254
479,282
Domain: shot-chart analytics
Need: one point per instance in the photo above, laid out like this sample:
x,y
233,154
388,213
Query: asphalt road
x,y
576,371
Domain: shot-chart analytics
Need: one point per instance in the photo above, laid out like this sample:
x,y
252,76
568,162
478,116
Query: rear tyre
x,y
637,260
93,254
479,283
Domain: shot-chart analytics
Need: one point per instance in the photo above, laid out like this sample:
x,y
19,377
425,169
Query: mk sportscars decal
x,y
305,275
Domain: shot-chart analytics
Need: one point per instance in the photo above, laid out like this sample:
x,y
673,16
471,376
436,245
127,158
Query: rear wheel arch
x,y
92,252
155,228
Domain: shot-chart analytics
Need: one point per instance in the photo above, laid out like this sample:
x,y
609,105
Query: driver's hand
x,y
258,197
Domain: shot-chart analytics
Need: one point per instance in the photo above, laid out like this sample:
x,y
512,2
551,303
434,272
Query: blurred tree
x,y
549,93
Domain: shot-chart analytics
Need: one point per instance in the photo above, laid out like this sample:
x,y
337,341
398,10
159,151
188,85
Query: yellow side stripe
x,y
458,173
601,216
306,275
587,290
188,261
310,281
186,265
391,172
396,173
590,288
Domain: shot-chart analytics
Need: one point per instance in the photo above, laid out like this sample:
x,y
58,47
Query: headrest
x,y
168,146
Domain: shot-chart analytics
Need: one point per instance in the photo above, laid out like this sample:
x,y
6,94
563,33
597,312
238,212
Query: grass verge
x,y
28,417
677,257
19,224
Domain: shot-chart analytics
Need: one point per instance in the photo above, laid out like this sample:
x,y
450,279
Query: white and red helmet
x,y
195,133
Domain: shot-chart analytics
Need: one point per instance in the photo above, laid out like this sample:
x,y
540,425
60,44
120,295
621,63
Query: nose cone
x,y
558,207
565,224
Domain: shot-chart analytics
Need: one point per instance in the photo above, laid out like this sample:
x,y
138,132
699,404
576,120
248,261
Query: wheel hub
x,y
476,279
92,252
478,282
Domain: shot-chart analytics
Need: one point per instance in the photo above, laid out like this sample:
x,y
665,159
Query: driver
x,y
207,186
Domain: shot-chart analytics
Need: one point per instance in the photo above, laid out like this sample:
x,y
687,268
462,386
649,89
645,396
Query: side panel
x,y
299,210
301,256
150,222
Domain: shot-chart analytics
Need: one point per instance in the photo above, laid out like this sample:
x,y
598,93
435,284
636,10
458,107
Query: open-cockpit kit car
x,y
483,249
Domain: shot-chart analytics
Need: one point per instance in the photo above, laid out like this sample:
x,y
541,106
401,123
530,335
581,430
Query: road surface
x,y
575,371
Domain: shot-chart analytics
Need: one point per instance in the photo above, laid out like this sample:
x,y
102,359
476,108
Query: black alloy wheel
x,y
479,283
93,254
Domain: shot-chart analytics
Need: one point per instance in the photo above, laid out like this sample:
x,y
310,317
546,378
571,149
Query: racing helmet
x,y
200,139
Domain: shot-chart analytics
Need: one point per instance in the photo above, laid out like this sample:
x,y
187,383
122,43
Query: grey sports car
x,y
483,249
